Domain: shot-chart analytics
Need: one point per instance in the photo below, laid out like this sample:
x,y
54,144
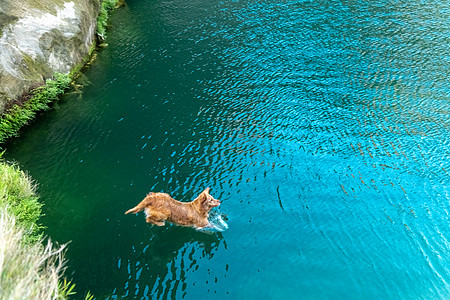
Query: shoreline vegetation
x,y
106,9
23,110
26,108
31,268
28,268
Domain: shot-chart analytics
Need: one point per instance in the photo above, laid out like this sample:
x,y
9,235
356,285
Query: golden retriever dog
x,y
160,207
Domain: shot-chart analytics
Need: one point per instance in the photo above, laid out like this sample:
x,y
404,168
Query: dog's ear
x,y
201,197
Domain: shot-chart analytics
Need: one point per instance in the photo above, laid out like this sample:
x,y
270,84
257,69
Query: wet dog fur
x,y
160,207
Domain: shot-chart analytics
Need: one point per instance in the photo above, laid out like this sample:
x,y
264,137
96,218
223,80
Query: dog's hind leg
x,y
153,221
155,217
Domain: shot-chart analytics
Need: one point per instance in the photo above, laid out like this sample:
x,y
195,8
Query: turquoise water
x,y
323,126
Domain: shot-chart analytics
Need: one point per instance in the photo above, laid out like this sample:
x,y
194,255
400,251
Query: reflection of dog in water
x,y
160,207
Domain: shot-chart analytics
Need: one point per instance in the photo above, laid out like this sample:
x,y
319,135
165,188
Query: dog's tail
x,y
135,210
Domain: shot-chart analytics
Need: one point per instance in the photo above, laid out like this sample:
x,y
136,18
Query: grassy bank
x,y
28,269
17,193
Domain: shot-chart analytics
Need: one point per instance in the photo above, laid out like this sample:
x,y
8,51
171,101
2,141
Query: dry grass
x,y
28,270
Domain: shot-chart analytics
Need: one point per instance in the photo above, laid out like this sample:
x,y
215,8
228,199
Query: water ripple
x,y
322,126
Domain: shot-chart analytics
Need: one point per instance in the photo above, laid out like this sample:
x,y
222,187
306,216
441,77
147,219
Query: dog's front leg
x,y
207,226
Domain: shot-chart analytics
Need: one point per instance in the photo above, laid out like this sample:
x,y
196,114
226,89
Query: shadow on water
x,y
154,263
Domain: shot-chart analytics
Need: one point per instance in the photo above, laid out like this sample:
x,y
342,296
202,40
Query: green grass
x,y
106,8
40,98
18,194
29,268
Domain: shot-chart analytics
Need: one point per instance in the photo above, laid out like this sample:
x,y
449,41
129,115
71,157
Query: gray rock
x,y
40,37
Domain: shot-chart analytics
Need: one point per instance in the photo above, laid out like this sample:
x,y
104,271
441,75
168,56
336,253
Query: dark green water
x,y
323,126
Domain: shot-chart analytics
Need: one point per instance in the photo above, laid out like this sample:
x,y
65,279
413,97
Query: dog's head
x,y
206,201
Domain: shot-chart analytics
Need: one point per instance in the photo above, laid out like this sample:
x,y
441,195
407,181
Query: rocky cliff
x,y
41,37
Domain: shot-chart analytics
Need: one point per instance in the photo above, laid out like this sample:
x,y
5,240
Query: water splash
x,y
217,221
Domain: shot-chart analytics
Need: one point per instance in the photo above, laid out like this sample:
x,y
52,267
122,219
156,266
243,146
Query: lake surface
x,y
323,126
